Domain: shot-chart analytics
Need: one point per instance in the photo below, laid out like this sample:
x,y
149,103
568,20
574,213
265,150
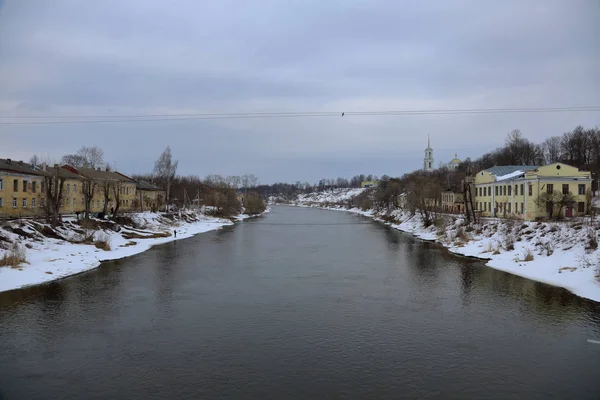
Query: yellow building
x,y
109,187
149,196
21,192
369,184
512,191
72,201
453,202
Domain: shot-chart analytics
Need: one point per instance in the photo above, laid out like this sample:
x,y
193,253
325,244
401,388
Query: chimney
x,y
20,162
108,168
44,166
8,161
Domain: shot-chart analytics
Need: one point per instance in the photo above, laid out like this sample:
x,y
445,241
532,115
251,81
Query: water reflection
x,y
260,311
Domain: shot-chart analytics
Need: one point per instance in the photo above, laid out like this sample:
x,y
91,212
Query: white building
x,y
428,160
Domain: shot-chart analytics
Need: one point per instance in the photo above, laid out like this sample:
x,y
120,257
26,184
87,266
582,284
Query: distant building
x,y
454,163
428,160
453,201
369,184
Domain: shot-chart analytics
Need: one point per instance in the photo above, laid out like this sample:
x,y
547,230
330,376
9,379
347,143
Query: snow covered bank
x,y
563,254
74,249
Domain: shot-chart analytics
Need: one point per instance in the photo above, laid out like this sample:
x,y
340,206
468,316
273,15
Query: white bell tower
x,y
428,160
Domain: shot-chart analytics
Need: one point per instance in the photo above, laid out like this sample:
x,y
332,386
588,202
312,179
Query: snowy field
x,y
49,259
563,254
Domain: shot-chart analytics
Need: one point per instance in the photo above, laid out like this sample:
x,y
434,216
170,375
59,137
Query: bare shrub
x,y
102,241
584,260
592,240
508,240
548,247
14,256
527,255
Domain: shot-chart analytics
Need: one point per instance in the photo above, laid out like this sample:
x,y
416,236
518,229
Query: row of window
x,y
507,190
501,207
33,187
24,202
68,201
25,187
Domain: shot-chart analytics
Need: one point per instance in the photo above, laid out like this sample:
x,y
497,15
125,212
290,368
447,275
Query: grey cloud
x,y
269,55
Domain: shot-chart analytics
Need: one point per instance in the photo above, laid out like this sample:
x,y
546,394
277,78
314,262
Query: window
x,y
43,186
496,190
489,206
42,203
510,190
33,203
24,203
14,202
16,185
530,190
484,206
509,204
504,190
1,184
34,186
523,191
580,188
1,204
98,203
549,188
517,190
581,207
74,189
74,200
68,201
565,188
68,188
522,208
24,186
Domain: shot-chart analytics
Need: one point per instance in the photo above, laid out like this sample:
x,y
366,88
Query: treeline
x,y
579,148
226,196
290,190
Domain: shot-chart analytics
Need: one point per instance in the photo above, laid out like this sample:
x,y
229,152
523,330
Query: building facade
x,y
514,191
149,196
21,190
453,202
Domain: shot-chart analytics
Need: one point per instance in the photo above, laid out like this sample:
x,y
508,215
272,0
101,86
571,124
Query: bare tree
x,y
35,161
164,171
88,188
116,188
54,185
86,157
552,149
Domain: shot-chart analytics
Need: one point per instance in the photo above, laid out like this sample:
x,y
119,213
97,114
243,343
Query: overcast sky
x,y
115,57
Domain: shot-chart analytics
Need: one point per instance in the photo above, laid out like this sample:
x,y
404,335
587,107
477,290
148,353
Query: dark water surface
x,y
300,304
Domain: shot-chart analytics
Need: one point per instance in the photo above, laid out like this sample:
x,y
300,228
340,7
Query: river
x,y
299,304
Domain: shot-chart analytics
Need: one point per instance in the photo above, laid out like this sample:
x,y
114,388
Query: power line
x,y
324,113
203,116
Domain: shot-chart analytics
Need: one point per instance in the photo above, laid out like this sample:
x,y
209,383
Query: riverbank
x,y
563,254
52,254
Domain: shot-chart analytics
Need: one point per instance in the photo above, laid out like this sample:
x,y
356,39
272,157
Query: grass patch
x,y
527,255
133,235
14,256
128,244
571,269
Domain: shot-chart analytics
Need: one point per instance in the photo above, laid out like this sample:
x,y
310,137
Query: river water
x,y
299,304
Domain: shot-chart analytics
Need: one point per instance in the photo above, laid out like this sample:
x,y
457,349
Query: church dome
x,y
455,160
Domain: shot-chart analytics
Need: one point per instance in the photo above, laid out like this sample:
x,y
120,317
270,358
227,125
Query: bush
x,y
254,204
508,241
592,240
548,246
527,255
14,256
102,241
